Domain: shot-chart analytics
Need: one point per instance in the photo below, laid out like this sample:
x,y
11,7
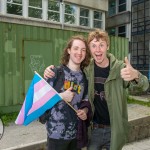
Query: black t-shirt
x,y
101,114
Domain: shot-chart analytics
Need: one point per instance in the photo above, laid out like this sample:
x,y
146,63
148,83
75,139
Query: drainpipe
x,y
62,13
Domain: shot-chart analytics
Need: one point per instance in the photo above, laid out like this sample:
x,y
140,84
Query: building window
x,y
70,14
97,22
112,8
84,17
54,10
35,8
121,5
112,31
122,31
14,7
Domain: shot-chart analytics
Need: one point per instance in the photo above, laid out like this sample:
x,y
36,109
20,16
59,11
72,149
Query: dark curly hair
x,y
65,56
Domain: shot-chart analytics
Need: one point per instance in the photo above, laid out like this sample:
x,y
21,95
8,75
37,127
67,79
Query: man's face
x,y
98,51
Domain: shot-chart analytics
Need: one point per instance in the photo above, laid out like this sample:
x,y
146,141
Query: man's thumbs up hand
x,y
67,95
129,73
126,61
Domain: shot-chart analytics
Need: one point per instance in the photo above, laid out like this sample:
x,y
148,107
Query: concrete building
x,y
140,35
79,14
131,19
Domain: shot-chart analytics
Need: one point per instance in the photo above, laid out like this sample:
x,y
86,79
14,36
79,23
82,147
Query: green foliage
x,y
8,118
134,101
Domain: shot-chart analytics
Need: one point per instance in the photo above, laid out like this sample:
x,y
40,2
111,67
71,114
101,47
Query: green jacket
x,y
116,97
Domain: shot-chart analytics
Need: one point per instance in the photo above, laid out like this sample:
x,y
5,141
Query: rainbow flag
x,y
39,98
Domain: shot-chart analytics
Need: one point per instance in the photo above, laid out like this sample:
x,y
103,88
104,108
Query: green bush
x,y
8,118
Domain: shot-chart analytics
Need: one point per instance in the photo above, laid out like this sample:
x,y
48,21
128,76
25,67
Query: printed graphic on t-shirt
x,y
99,80
101,94
76,87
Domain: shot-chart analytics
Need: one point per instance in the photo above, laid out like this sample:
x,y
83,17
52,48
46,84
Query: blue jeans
x,y
100,139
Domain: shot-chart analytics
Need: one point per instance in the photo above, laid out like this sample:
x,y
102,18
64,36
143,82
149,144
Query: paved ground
x,y
139,145
18,136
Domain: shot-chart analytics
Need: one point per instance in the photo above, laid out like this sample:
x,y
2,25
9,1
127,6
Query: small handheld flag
x,y
39,98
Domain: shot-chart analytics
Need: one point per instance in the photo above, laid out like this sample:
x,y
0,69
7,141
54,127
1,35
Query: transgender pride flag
x,y
39,98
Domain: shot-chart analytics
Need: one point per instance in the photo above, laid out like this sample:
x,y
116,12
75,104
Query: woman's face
x,y
77,52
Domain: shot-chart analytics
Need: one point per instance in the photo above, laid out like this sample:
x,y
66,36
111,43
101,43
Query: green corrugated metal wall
x,y
27,48
119,47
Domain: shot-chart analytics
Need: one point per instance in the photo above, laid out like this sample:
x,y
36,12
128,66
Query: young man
x,y
61,120
108,79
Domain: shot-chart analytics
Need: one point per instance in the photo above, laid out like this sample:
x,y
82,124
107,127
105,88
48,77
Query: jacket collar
x,y
115,67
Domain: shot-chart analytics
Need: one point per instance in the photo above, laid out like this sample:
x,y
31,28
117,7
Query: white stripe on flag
x,y
39,94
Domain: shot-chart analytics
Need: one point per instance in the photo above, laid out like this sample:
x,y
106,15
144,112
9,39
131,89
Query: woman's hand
x,y
82,113
67,95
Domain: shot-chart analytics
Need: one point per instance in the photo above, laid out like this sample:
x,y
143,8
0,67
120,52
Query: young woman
x,y
62,122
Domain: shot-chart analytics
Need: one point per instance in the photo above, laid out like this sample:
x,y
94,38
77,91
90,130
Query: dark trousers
x,y
59,144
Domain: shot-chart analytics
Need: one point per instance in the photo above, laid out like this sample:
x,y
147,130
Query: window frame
x,y
54,11
119,5
42,9
37,8
83,17
122,33
101,20
14,3
74,15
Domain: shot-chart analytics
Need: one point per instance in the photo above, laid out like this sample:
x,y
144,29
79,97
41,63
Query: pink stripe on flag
x,y
39,85
42,101
20,118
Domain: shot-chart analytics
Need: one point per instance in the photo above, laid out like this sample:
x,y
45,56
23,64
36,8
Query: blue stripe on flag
x,y
37,113
30,94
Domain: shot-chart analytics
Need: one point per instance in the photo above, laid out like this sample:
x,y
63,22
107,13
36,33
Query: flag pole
x,y
70,105
58,93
